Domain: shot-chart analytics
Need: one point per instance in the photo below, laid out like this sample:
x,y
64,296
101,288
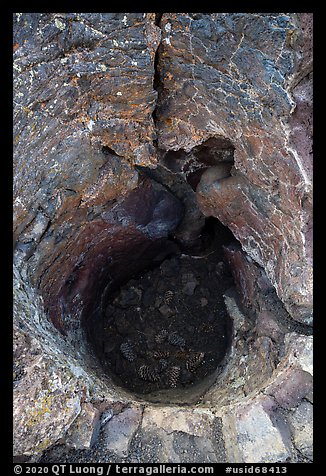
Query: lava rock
x,y
265,444
189,288
301,421
123,325
227,62
85,429
166,311
129,297
120,429
292,386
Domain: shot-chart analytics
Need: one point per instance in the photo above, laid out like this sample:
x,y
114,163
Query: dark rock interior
x,y
168,327
182,296
134,239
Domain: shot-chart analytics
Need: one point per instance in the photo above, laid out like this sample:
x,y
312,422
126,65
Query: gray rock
x,y
36,228
150,446
166,310
251,437
85,429
267,326
290,387
189,288
185,435
197,423
119,431
301,422
83,117
192,449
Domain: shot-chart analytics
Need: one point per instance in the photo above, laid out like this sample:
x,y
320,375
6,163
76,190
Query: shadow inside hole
x,y
216,152
214,236
164,335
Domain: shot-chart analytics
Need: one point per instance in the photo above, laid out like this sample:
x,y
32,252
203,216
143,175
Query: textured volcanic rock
x,y
82,82
83,94
222,101
50,383
101,250
245,77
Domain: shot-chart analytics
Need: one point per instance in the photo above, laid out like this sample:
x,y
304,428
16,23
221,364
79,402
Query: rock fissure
x,y
156,75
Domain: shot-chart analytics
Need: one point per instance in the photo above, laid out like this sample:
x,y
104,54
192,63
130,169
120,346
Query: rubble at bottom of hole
x,y
169,328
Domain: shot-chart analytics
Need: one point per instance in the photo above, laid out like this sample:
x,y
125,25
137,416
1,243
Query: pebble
x,y
129,297
166,311
189,288
204,292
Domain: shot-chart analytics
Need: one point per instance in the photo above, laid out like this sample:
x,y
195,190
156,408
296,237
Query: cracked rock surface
x,y
219,107
241,76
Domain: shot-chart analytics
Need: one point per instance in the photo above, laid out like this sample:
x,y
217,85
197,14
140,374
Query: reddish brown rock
x,y
267,326
84,115
83,92
84,99
290,387
250,280
101,252
223,78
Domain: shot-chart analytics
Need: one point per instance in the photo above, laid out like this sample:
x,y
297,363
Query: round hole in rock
x,y
164,334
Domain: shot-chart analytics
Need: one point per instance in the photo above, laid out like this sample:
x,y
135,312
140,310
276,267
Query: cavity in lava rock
x,y
169,327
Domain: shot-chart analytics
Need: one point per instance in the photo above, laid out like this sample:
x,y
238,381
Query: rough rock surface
x,y
122,239
120,429
223,101
228,425
259,441
241,76
49,384
83,98
301,422
85,429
